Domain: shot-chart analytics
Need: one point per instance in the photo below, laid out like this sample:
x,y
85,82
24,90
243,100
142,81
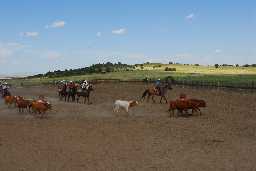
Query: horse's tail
x,y
144,94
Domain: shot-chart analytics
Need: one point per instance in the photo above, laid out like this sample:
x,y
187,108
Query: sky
x,y
40,36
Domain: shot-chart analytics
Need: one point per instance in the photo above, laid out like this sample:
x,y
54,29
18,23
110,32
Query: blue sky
x,y
38,36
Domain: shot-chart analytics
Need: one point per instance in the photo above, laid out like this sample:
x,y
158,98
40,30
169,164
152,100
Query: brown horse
x,y
153,91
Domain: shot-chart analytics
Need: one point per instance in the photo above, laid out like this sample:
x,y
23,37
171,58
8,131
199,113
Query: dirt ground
x,y
91,137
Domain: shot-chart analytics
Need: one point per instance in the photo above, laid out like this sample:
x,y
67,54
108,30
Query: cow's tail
x,y
144,94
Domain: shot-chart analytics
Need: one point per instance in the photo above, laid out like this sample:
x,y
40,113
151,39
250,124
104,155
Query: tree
x,y
216,65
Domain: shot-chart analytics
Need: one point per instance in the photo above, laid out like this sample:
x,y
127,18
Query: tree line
x,y
95,68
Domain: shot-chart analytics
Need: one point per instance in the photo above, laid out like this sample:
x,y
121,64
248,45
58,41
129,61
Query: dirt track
x,y
90,137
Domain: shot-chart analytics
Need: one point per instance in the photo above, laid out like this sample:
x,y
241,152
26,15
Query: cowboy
x,y
70,84
157,85
85,85
5,88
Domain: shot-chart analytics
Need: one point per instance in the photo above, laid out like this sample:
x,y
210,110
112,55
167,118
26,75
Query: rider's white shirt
x,y
84,85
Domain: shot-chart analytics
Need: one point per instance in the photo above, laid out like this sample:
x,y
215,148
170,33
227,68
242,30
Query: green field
x,y
226,75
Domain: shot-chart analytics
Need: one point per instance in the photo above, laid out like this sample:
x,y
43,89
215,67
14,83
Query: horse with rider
x,y
4,89
160,88
72,90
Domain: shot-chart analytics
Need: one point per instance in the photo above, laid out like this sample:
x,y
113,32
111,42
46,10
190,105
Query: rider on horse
x,y
5,89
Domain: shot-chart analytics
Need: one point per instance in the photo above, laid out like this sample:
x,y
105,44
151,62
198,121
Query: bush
x,y
170,69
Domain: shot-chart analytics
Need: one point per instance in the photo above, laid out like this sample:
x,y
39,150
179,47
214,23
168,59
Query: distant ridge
x,y
2,77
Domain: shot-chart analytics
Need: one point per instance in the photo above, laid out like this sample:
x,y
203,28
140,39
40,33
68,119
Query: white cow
x,y
124,104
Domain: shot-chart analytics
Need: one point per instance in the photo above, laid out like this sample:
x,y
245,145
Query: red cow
x,y
185,105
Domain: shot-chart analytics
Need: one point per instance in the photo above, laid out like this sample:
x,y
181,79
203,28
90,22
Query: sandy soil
x,y
91,137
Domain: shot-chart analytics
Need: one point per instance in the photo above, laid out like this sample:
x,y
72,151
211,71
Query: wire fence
x,y
193,83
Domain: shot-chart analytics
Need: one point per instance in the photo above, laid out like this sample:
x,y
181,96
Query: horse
x,y
84,93
62,91
153,91
71,92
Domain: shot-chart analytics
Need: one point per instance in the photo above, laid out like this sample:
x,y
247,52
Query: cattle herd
x,y
39,106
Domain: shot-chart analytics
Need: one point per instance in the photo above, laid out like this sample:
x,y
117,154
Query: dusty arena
x,y
91,137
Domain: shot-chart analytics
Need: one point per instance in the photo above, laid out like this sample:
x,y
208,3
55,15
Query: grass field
x,y
228,75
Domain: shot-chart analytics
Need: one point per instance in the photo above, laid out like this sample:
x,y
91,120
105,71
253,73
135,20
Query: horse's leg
x,y
161,99
77,99
153,99
88,98
198,109
165,99
73,98
148,97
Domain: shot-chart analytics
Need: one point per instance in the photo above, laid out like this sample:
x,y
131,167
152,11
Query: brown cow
x,y
185,105
9,100
23,104
40,106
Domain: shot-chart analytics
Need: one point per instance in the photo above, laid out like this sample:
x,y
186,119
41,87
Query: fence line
x,y
192,83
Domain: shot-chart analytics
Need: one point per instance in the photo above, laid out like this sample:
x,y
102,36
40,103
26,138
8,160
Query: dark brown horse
x,y
153,91
84,93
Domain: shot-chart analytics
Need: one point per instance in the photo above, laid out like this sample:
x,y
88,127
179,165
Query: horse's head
x,y
90,87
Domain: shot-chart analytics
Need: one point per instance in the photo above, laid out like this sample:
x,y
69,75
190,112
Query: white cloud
x,y
120,31
56,24
98,34
190,17
29,34
218,50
